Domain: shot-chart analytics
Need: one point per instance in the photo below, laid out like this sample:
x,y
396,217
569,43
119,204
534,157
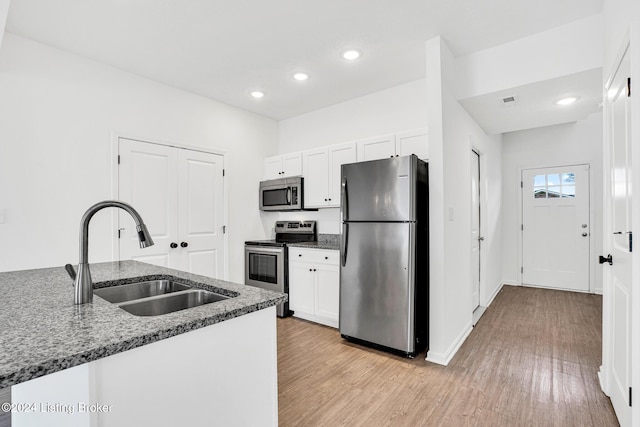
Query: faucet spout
x,y
83,283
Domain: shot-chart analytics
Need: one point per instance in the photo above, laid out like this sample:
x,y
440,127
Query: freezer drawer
x,y
377,284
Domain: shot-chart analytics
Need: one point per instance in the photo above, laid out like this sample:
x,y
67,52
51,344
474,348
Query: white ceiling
x,y
223,49
535,103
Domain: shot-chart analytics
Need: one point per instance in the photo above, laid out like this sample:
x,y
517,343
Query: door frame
x,y
592,228
485,300
115,184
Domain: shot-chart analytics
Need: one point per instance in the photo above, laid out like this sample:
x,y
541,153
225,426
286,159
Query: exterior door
x,y
555,227
179,194
617,335
475,229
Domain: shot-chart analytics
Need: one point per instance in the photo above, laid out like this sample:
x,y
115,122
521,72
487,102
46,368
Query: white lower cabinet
x,y
314,284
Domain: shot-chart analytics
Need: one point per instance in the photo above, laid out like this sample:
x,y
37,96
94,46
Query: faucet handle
x,y
71,271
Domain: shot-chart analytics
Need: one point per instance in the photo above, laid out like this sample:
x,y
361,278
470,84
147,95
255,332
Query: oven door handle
x,y
264,249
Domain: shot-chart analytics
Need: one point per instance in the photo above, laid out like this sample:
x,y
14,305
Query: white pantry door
x,y
201,213
147,180
179,194
618,234
555,227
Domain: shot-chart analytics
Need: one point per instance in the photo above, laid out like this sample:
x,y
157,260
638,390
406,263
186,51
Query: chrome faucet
x,y
83,283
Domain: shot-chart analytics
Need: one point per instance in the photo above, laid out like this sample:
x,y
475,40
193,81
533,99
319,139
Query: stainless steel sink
x,y
171,303
134,291
156,297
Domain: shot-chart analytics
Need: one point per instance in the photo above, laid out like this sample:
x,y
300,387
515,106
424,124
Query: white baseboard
x,y
445,358
497,291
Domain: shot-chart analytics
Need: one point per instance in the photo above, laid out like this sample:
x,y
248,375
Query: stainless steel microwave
x,y
282,194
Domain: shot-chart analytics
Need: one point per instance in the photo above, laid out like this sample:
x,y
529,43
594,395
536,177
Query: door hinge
x,y
521,227
118,158
521,184
223,172
630,400
521,270
120,232
224,229
628,87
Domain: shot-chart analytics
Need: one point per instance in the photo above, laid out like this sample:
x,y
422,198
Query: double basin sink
x,y
157,297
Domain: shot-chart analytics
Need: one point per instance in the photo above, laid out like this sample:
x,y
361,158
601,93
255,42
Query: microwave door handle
x,y
288,195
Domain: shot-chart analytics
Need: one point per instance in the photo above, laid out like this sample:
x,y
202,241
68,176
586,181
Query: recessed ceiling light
x,y
567,101
301,76
257,94
351,54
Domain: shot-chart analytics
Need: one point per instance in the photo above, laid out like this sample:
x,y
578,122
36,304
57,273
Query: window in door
x,y
554,185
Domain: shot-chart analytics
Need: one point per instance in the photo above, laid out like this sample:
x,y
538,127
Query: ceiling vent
x,y
509,101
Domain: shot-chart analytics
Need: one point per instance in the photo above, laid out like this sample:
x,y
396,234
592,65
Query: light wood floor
x,y
531,360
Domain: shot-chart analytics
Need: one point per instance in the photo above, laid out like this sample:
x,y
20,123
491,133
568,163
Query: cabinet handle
x,y
299,254
391,156
325,200
173,245
326,257
310,270
184,244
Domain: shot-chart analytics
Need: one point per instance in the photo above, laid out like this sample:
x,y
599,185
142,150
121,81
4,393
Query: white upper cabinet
x,y
380,147
338,156
401,144
413,142
289,164
322,174
315,164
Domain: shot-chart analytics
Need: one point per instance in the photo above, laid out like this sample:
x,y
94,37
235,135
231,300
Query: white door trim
x,y
593,230
485,299
115,183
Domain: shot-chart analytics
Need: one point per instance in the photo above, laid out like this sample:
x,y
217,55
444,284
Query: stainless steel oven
x,y
266,262
265,267
284,194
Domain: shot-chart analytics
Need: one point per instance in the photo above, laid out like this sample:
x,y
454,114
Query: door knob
x,y
184,244
608,259
173,245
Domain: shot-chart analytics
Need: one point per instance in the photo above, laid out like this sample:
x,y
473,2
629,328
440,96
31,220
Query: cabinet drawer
x,y
317,256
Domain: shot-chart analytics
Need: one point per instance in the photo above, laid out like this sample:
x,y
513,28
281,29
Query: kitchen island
x,y
95,364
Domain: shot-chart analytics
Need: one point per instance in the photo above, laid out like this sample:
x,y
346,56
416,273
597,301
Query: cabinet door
x,y
338,155
273,167
301,293
292,164
315,164
413,142
147,180
380,147
327,287
200,213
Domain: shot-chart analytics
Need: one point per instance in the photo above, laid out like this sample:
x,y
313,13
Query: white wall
x,y
561,51
58,113
399,108
452,135
567,144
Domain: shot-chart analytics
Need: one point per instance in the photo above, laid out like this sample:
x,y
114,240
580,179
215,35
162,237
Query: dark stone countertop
x,y
42,331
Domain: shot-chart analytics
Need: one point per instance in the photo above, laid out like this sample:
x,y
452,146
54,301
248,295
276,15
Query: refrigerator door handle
x,y
344,207
344,243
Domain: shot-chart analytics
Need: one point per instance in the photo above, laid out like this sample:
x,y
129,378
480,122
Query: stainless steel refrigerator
x,y
384,248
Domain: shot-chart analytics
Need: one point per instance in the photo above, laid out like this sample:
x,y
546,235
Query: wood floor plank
x,y
531,360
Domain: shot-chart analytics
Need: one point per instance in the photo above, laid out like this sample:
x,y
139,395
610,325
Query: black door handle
x,y
608,259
